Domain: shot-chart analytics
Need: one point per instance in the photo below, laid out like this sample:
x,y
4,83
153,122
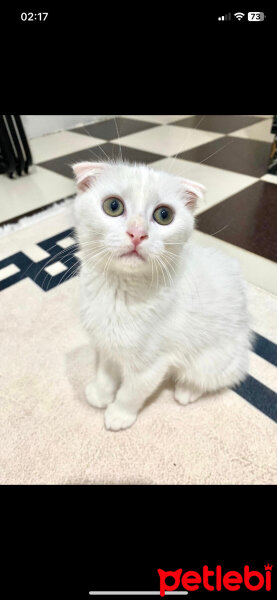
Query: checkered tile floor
x,y
228,154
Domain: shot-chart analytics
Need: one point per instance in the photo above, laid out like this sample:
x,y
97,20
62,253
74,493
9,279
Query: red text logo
x,y
216,580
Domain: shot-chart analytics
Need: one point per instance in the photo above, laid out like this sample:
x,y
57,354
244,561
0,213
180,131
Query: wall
x,y
36,125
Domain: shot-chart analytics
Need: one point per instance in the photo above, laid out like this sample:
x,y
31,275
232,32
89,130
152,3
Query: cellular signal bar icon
x,y
225,17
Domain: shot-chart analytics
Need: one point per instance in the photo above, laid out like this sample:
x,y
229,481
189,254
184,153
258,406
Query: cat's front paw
x,y
118,418
97,397
185,395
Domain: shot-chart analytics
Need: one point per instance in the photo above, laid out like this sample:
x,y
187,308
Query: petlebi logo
x,y
216,580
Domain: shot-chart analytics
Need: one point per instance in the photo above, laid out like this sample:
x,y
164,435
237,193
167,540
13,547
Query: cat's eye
x,y
163,215
113,207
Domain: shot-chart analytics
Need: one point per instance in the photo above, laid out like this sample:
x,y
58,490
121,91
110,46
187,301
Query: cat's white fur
x,y
181,312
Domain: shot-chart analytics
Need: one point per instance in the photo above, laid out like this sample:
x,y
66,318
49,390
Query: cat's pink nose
x,y
137,234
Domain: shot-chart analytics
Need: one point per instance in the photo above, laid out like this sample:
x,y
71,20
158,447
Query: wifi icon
x,y
239,16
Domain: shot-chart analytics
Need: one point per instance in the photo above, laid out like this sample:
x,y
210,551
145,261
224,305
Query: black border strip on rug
x,y
27,268
259,395
266,349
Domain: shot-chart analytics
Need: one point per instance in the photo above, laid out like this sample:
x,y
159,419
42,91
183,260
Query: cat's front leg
x,y
102,389
135,389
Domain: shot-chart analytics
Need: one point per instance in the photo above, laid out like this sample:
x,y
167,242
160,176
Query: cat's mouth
x,y
132,253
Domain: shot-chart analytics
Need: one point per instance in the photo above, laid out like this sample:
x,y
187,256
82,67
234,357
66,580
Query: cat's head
x,y
132,216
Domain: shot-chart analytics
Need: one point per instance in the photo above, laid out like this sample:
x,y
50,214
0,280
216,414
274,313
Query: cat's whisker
x,y
53,259
95,231
79,266
45,265
62,258
51,277
92,248
151,261
64,262
92,244
156,270
168,252
166,267
222,228
166,271
69,273
161,265
89,257
170,255
173,262
210,155
108,263
91,231
120,148
170,264
191,130
94,255
98,146
103,252
85,251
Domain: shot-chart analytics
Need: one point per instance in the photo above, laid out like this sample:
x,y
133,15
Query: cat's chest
x,y
117,320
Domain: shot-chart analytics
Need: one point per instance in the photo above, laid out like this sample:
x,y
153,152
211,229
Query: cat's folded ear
x,y
86,174
192,193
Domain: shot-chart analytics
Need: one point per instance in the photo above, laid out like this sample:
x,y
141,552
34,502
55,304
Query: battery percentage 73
x,y
255,16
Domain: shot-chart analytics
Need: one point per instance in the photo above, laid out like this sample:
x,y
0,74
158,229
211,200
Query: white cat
x,y
155,304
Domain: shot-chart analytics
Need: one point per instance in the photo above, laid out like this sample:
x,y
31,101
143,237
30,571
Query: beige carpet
x,y
50,435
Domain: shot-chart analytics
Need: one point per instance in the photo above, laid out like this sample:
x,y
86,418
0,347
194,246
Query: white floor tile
x,y
53,145
167,139
256,269
259,131
172,118
160,119
270,178
40,188
220,184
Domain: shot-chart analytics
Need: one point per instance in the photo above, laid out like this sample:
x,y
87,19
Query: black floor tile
x,y
247,219
114,128
249,157
106,151
218,123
